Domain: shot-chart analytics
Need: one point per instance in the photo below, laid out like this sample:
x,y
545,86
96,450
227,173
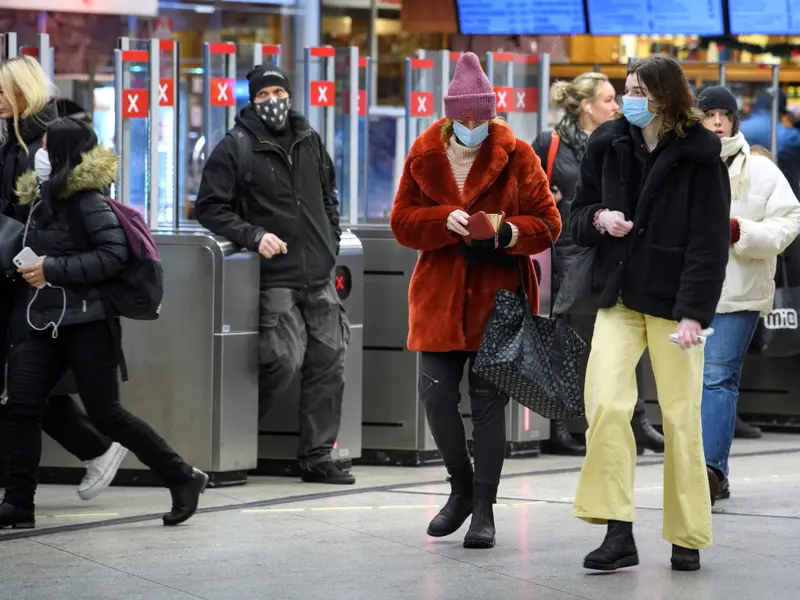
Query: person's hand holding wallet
x,y
486,239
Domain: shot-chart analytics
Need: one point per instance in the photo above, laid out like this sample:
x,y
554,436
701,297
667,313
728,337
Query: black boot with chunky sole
x,y
617,551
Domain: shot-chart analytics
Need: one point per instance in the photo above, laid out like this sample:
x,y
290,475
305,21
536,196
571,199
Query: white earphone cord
x,y
55,325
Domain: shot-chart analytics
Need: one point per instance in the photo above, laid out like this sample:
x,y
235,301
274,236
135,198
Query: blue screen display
x,y
521,17
656,17
766,17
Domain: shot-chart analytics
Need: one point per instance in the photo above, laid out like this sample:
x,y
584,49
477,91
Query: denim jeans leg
x,y
724,356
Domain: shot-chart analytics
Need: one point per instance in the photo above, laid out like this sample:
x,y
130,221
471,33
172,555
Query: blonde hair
x,y
570,94
448,131
24,76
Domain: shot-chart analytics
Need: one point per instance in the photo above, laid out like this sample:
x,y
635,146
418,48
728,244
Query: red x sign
x,y
362,102
134,104
166,93
526,100
222,92
322,93
504,96
421,104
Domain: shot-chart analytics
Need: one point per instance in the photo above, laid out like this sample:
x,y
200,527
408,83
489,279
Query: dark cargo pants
x,y
305,332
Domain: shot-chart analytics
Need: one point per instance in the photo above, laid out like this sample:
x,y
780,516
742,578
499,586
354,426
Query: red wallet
x,y
482,226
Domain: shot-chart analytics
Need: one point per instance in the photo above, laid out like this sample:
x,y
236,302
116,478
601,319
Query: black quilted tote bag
x,y
534,360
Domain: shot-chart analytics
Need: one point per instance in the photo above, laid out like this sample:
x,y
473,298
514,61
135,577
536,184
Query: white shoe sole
x,y
108,476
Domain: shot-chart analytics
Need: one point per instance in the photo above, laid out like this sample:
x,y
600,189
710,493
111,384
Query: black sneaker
x,y
327,472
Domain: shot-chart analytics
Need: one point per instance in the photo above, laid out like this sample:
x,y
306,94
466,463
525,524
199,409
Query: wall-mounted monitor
x,y
521,17
656,17
765,17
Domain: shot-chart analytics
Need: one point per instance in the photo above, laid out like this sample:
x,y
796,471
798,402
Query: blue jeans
x,y
725,352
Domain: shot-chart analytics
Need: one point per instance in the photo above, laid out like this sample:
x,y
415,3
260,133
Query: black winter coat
x,y
14,161
65,265
672,264
566,169
292,195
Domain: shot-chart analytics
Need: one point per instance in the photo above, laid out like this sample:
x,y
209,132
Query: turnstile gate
x,y
394,427
278,430
194,371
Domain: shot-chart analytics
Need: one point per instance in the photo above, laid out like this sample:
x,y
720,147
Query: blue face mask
x,y
471,137
636,111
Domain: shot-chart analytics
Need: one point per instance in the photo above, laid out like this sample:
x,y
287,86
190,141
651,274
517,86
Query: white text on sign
x,y
421,104
322,93
222,92
134,104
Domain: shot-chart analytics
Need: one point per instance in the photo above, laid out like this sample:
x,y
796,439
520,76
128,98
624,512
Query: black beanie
x,y
265,76
717,96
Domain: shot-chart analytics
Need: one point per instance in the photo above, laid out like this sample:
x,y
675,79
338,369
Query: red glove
x,y
735,233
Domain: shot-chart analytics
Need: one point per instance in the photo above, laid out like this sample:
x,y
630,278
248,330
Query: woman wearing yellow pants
x,y
653,202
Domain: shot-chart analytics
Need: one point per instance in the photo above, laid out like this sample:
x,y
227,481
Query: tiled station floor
x,y
279,539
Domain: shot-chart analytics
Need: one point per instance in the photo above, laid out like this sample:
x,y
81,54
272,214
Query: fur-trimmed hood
x,y
97,171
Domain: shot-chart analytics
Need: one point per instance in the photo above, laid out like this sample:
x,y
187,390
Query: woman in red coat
x,y
464,164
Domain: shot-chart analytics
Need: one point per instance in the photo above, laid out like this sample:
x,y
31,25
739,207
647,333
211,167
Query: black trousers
x,y
35,367
306,333
439,380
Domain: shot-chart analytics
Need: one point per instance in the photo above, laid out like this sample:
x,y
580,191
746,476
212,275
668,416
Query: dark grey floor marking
x,y
18,534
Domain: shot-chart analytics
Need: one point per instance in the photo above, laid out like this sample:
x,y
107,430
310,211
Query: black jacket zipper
x,y
288,157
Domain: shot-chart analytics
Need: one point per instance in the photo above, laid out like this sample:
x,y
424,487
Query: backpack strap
x,y
77,228
552,151
244,164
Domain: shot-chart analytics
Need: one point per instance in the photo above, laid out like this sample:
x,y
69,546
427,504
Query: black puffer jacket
x,y
672,264
566,170
66,267
14,161
292,195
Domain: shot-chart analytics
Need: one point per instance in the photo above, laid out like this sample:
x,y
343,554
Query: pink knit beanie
x,y
470,96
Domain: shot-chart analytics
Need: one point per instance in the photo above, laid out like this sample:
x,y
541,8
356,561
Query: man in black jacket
x,y
287,210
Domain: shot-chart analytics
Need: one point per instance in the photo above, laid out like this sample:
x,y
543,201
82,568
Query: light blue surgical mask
x,y
471,137
635,110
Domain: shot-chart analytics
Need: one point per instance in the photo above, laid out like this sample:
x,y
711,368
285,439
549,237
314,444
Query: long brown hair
x,y
666,83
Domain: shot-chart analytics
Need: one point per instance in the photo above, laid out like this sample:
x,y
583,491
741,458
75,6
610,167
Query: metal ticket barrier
x,y
194,371
219,91
522,87
41,50
394,428
332,106
421,108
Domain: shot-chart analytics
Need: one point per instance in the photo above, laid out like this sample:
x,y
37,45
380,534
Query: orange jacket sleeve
x,y
537,209
417,225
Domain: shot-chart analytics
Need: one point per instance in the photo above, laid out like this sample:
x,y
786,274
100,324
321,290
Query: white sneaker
x,y
101,471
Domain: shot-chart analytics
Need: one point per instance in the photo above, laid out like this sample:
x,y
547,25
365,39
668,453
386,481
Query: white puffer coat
x,y
769,220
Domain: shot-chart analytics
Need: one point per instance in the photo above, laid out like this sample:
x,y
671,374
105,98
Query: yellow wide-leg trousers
x,y
605,488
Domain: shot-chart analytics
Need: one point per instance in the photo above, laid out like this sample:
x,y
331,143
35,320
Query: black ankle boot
x,y
458,506
16,518
562,442
643,432
685,559
618,549
185,498
481,532
746,431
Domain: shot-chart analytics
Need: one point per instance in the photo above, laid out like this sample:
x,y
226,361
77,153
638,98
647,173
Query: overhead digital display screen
x,y
766,17
656,17
521,17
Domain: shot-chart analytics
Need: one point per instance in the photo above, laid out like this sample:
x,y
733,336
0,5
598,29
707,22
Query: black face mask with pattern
x,y
274,112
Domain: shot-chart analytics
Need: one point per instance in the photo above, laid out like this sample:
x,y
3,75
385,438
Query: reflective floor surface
x,y
284,540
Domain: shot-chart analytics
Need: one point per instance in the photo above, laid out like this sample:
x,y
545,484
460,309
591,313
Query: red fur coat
x,y
450,305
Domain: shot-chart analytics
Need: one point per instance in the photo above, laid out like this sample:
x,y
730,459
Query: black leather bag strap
x,y
555,281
